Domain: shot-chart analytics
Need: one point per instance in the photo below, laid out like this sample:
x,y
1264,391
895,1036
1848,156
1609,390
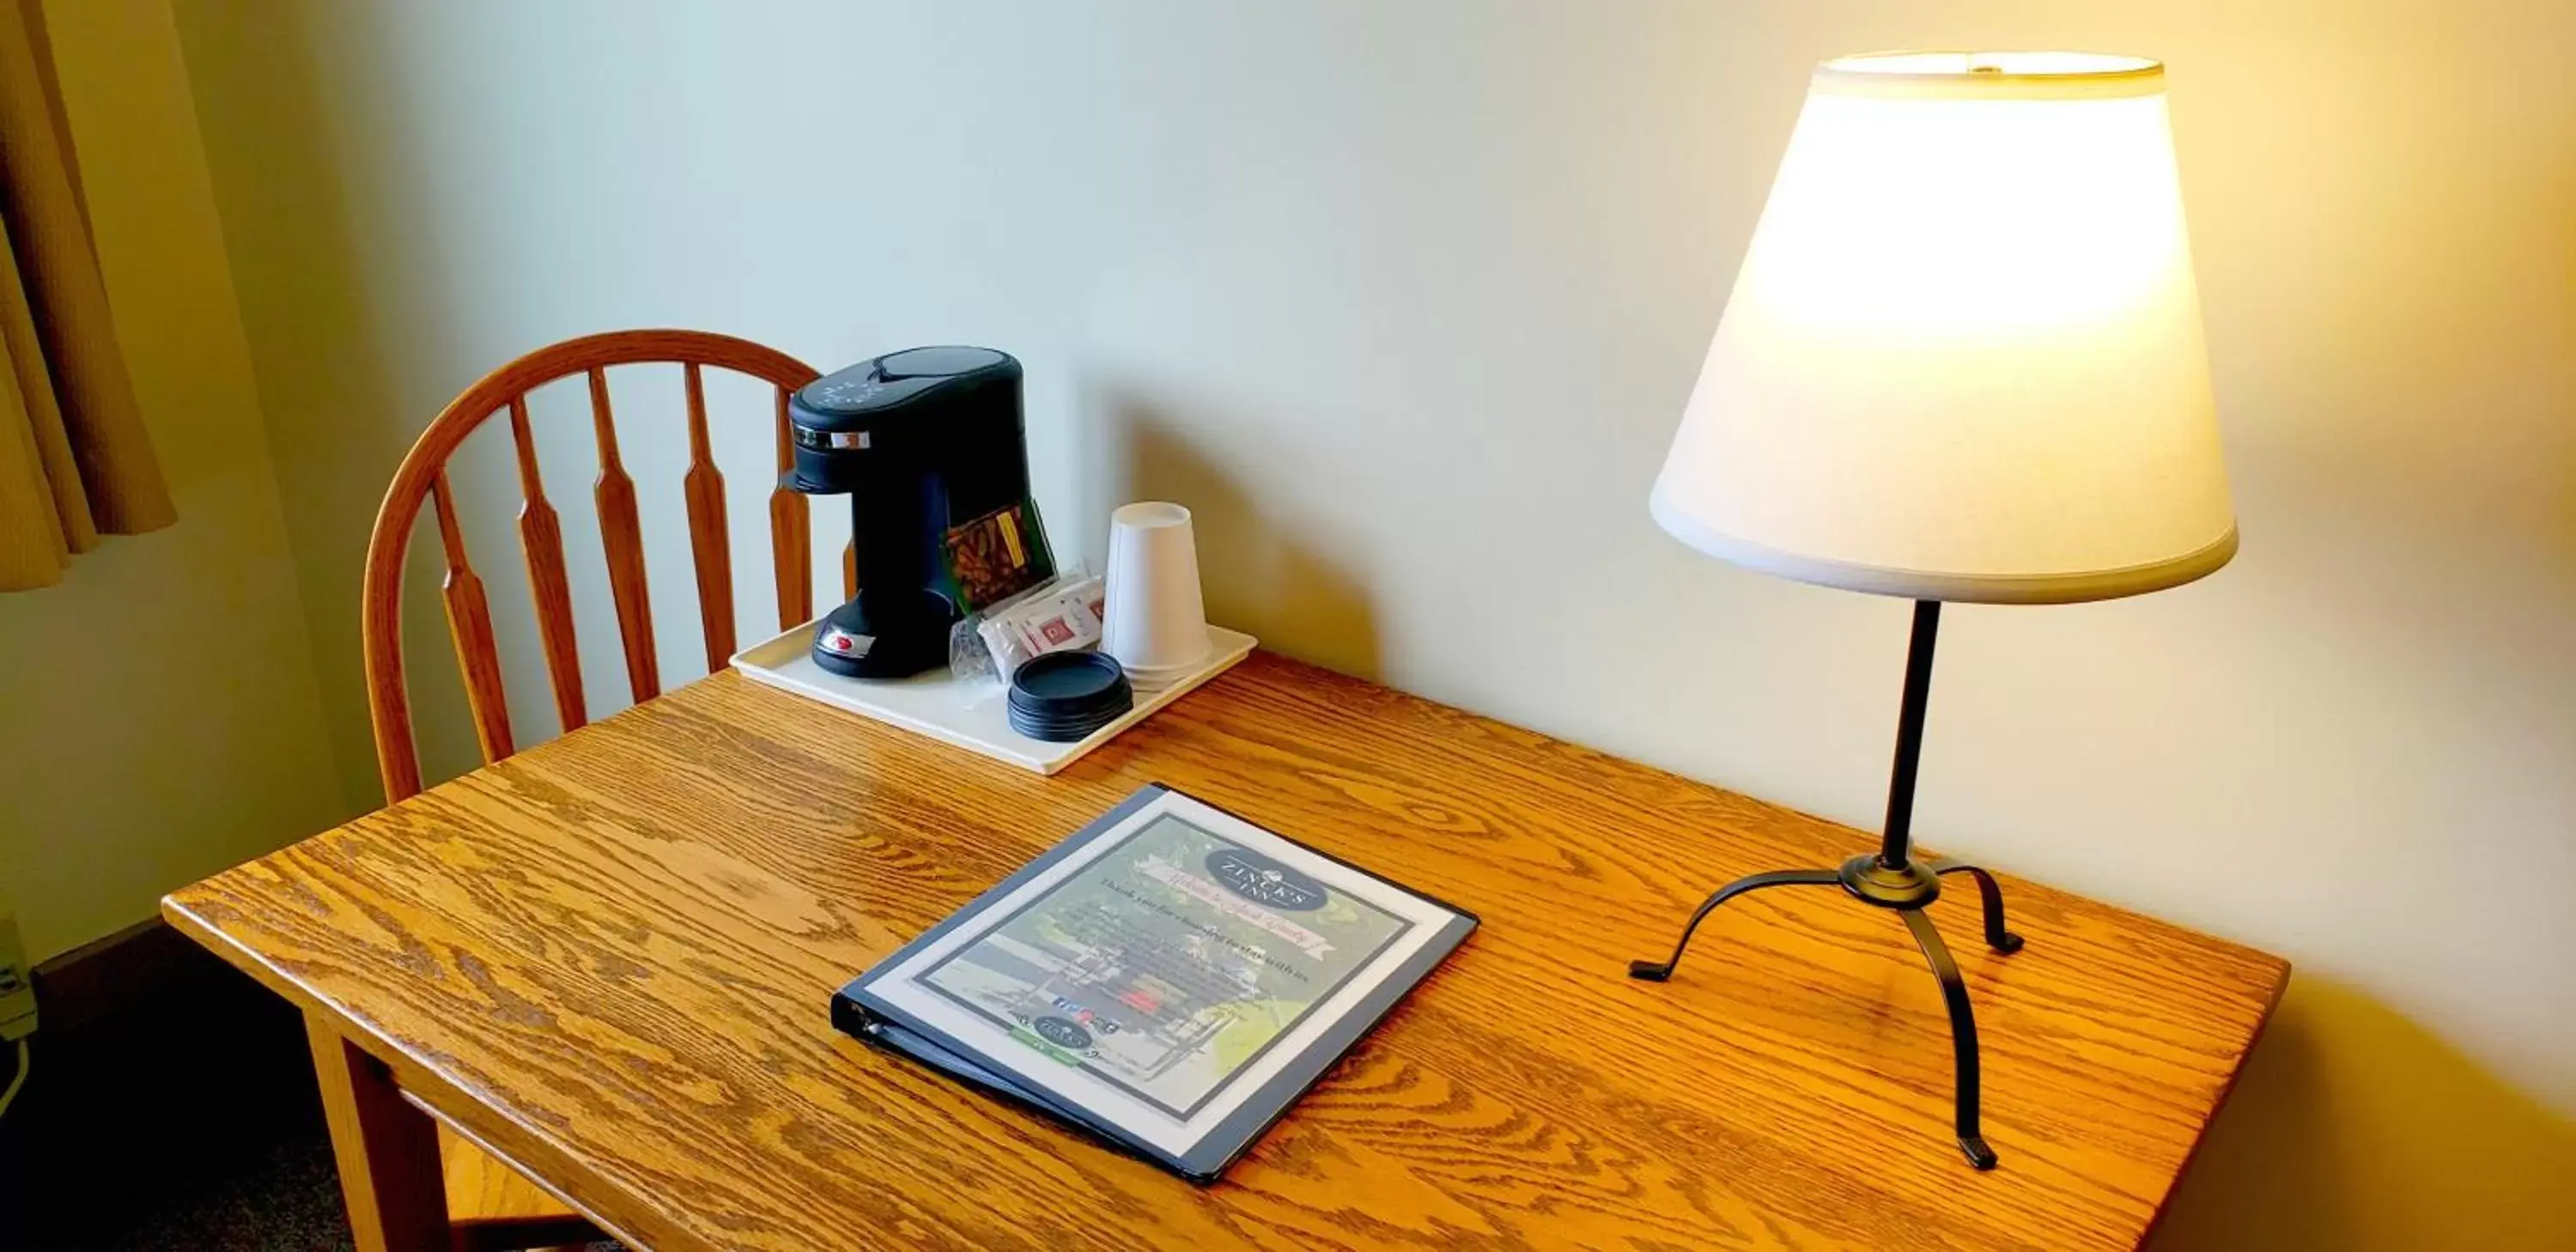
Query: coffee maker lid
x,y
877,386
940,362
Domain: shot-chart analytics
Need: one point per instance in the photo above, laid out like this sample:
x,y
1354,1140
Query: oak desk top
x,y
609,957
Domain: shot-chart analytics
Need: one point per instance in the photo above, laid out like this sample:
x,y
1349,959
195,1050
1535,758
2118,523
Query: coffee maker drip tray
x,y
974,716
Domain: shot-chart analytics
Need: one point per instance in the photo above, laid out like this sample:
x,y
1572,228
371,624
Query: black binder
x,y
973,1043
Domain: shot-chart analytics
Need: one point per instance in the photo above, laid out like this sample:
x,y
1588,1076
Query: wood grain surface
x,y
608,958
387,1153
488,1188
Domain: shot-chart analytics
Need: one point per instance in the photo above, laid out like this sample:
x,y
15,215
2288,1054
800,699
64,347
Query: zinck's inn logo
x,y
1264,881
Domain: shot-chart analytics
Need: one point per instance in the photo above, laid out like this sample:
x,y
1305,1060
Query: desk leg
x,y
386,1149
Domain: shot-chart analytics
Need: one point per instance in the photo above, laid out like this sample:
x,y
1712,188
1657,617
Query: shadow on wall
x,y
1257,573
323,357
2355,1129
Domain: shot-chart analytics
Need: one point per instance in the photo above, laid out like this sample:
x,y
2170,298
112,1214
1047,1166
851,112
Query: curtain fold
x,y
75,462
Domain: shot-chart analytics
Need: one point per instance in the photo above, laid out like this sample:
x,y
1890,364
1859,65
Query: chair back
x,y
423,477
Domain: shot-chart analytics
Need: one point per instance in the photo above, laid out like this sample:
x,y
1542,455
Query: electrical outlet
x,y
17,994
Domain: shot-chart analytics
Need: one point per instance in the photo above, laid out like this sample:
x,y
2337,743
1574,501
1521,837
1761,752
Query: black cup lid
x,y
1075,683
1036,729
1061,732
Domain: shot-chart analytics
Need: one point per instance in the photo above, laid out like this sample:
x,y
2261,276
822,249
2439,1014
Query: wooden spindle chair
x,y
489,1204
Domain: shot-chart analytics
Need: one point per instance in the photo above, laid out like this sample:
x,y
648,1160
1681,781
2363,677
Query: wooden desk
x,y
607,959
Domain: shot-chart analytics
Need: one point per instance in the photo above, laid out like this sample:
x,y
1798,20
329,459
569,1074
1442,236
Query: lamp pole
x,y
1895,849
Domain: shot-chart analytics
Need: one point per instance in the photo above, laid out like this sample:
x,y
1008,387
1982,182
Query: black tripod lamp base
x,y
1895,879
1978,1154
1871,880
1903,889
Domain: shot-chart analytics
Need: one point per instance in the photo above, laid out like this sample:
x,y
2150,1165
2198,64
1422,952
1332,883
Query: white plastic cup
x,y
1157,624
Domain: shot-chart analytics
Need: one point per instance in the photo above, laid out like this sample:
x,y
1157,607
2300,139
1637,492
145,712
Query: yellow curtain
x,y
74,459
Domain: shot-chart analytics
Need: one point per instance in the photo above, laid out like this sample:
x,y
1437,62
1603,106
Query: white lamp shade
x,y
1963,357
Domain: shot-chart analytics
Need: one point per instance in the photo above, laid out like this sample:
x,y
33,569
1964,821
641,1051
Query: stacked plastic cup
x,y
1157,625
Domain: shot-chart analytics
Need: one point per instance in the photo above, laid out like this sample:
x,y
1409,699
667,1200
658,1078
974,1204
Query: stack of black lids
x,y
1064,696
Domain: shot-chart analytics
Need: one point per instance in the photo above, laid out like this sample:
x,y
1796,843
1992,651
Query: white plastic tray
x,y
974,718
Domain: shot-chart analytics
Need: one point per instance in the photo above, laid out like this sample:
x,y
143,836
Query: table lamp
x,y
1962,362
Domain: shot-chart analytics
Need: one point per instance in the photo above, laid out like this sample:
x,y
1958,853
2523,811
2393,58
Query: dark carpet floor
x,y
286,1199
217,1146
182,1121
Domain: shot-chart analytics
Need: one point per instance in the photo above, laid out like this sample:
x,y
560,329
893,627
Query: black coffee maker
x,y
928,445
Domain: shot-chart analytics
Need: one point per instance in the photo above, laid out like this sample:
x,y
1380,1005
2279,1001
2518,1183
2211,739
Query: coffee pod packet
x,y
1058,615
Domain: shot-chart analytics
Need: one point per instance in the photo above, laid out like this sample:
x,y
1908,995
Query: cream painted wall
x,y
1405,299
159,718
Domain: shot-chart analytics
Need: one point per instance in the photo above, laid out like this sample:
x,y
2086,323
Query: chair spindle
x,y
622,539
791,538
710,542
541,542
469,627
